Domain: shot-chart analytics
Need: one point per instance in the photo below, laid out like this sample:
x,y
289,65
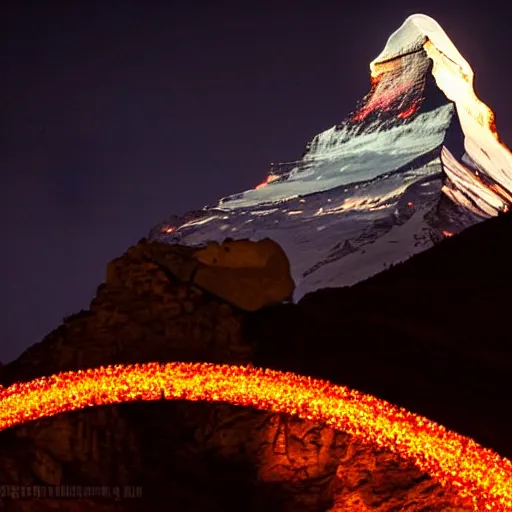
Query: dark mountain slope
x,y
432,334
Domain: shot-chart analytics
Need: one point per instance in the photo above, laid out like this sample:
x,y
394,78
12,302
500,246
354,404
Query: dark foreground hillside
x,y
432,335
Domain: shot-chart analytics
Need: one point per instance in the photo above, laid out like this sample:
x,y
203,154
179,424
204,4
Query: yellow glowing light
x,y
458,86
482,478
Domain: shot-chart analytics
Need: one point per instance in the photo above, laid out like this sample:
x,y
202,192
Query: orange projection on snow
x,y
482,478
262,184
269,179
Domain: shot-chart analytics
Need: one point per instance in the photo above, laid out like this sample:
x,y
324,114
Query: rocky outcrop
x,y
147,310
247,275
197,456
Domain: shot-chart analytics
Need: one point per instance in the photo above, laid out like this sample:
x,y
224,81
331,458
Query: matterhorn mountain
x,y
419,159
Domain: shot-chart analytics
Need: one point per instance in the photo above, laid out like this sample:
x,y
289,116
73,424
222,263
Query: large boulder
x,y
248,275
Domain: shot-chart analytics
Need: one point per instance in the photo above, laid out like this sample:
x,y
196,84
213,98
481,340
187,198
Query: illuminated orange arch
x,y
481,476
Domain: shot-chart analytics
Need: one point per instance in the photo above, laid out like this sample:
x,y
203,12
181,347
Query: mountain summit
x,y
419,159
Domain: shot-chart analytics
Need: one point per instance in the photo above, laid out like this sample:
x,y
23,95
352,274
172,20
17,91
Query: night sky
x,y
115,115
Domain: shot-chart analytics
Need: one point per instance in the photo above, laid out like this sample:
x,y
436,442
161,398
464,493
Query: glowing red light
x,y
407,113
382,99
269,179
262,184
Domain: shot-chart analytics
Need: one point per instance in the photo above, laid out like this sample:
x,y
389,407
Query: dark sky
x,y
115,115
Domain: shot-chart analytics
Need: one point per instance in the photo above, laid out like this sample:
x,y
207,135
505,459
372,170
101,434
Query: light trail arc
x,y
482,478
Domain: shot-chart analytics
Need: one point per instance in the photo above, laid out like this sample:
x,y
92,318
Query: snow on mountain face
x,y
417,160
486,159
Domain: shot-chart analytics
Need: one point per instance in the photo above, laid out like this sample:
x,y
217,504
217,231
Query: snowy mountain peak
x,y
417,160
412,36
487,159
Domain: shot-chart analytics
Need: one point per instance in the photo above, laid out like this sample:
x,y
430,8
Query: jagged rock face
x,y
418,159
195,456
